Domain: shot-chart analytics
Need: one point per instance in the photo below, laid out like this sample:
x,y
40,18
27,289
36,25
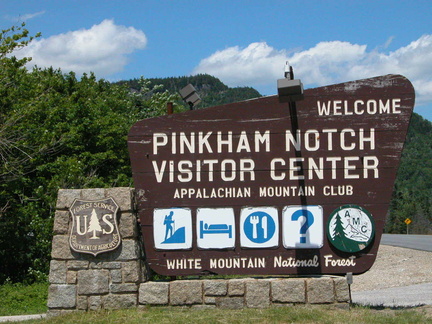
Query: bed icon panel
x,y
215,228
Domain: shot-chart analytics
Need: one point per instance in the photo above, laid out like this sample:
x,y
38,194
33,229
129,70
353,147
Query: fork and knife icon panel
x,y
255,220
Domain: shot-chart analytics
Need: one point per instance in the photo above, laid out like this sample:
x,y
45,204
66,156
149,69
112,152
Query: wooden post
x,y
169,108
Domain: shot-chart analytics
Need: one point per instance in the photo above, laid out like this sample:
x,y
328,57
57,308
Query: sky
x,y
243,43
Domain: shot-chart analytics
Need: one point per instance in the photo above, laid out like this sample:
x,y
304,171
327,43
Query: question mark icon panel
x,y
308,221
302,227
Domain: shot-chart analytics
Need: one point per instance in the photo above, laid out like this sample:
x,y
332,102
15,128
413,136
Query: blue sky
x,y
244,43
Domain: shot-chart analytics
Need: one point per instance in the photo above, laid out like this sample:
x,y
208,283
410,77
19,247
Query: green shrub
x,y
20,299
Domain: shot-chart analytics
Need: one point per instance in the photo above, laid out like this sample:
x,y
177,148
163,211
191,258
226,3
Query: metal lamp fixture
x,y
190,96
289,90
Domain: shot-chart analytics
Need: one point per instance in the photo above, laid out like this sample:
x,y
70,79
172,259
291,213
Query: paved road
x,y
408,296
416,242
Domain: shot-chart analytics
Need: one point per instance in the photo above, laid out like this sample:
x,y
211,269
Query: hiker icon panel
x,y
172,228
215,228
302,227
259,227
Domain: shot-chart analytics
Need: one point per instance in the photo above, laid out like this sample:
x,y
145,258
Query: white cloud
x,y
102,49
24,17
32,15
254,65
326,63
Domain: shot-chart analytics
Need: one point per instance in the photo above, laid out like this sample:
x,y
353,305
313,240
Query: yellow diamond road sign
x,y
407,221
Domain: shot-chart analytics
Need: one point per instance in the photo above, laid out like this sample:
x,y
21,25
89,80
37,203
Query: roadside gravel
x,y
395,267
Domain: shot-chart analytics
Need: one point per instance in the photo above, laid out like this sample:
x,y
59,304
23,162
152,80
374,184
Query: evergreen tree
x,y
413,186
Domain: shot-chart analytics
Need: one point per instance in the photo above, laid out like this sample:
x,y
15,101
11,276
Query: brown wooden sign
x,y
263,187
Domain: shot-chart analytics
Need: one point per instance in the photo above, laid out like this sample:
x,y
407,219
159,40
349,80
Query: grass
x,y
19,299
296,314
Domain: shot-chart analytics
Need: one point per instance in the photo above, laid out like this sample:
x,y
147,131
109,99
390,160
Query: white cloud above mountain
x,y
102,49
325,63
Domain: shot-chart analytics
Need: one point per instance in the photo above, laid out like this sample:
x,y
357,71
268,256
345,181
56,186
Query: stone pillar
x,y
110,280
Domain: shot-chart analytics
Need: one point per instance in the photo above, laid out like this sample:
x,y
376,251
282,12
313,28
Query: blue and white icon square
x,y
172,228
302,227
215,228
259,227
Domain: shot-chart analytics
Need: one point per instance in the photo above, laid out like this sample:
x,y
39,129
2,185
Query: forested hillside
x,y
412,197
211,90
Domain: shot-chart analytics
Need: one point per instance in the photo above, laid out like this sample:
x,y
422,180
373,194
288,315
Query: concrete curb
x,y
19,318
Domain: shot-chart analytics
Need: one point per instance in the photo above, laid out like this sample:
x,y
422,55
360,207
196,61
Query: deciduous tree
x,y
56,131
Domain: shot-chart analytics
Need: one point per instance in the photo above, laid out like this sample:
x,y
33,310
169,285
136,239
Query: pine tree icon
x,y
94,225
350,229
339,231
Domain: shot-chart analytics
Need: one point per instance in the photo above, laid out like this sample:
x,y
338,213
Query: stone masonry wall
x,y
248,292
110,280
118,279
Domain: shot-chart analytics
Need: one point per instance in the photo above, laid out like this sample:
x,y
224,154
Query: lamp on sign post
x,y
190,96
289,89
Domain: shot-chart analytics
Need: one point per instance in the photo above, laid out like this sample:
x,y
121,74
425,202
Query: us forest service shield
x,y
94,227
